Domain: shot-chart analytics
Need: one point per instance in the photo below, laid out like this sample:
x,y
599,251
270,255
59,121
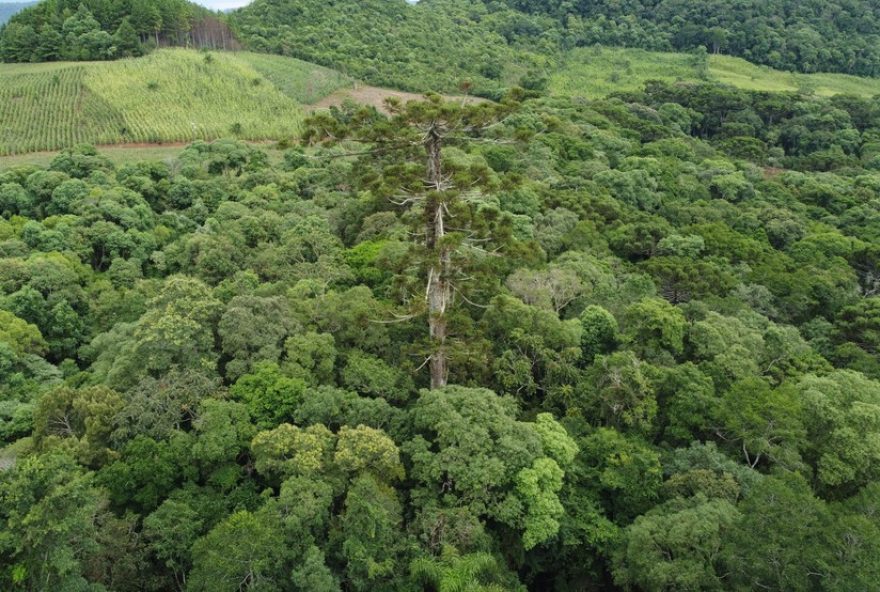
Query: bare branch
x,y
468,300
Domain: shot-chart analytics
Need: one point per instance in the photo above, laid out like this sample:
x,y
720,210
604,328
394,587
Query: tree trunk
x,y
439,291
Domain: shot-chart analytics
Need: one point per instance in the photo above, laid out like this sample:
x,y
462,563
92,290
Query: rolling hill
x,y
433,45
596,72
177,95
171,95
794,35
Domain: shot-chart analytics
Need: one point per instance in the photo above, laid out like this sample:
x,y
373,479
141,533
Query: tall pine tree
x,y
406,153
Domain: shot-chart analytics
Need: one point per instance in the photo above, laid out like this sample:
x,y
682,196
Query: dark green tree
x,y
441,194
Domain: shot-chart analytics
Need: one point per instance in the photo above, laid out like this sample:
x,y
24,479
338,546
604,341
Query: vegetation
x,y
617,329
659,354
599,71
435,45
814,36
487,46
181,99
85,30
122,154
443,44
7,9
171,95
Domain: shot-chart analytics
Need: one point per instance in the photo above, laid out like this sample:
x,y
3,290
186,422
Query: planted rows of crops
x,y
184,95
52,109
169,96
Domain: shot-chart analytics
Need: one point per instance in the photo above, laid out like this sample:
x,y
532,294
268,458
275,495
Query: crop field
x,y
173,95
596,72
52,108
178,95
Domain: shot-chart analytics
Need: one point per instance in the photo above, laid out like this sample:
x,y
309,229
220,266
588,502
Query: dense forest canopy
x,y
107,29
660,341
432,45
536,343
439,44
808,36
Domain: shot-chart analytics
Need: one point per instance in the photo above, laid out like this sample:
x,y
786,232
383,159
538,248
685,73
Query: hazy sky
x,y
222,4
215,4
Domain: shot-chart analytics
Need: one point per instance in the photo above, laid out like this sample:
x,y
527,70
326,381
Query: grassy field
x,y
595,72
169,96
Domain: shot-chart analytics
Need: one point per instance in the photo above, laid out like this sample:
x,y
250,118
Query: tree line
x,y
489,44
108,29
813,36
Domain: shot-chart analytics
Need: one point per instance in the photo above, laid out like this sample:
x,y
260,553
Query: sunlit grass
x,y
169,96
596,72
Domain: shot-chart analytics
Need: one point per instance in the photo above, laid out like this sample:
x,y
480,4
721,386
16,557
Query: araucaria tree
x,y
406,165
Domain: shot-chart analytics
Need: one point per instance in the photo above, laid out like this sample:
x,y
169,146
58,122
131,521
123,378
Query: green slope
x,y
301,81
171,95
177,95
432,45
595,72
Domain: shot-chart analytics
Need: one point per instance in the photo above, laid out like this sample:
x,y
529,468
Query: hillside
x,y
598,71
171,95
178,96
434,45
806,36
444,44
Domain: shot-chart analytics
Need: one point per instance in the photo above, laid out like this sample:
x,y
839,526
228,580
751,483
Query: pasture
x,y
597,71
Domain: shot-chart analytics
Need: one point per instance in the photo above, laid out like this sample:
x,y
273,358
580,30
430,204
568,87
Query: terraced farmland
x,y
169,96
